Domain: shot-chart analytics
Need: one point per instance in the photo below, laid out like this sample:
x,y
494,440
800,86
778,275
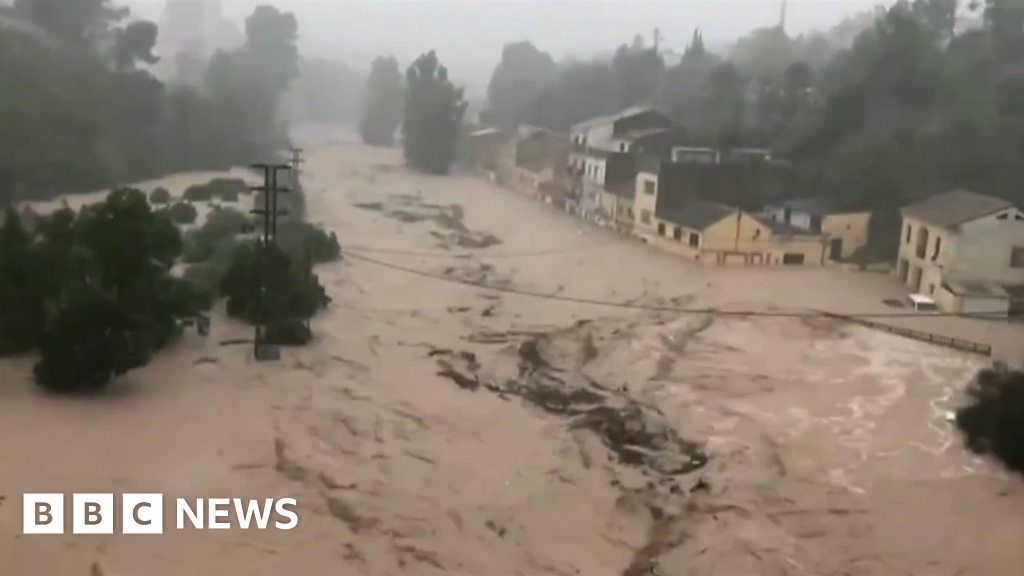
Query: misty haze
x,y
709,287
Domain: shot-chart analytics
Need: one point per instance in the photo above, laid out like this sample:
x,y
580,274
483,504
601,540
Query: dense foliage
x,y
382,112
523,73
159,195
434,108
182,213
293,295
78,111
93,290
993,422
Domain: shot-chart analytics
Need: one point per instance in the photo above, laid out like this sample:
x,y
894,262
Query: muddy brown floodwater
x,y
438,428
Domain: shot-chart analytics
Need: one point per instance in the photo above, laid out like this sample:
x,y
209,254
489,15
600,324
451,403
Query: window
x,y
907,241
622,147
677,234
694,239
648,186
661,228
938,247
1017,257
645,216
792,259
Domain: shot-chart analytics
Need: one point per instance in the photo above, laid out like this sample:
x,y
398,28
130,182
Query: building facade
x,y
846,228
964,249
602,161
670,216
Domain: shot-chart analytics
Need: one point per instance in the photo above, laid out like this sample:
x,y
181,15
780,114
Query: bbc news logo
x,y
144,513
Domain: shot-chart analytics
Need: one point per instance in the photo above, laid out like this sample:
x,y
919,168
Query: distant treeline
x,y
881,110
78,111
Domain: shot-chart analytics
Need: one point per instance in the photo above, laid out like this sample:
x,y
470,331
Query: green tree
x,y
680,93
638,71
78,21
523,73
434,108
293,293
21,316
382,112
993,421
135,43
110,297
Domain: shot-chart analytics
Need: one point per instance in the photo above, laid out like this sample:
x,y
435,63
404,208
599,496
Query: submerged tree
x,y
993,422
382,112
110,298
434,108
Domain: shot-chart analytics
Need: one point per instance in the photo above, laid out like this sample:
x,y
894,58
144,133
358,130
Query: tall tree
x,y
382,112
77,21
638,72
271,37
679,93
520,77
135,43
434,108
247,85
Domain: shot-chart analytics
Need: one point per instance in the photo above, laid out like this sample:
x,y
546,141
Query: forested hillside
x,y
881,110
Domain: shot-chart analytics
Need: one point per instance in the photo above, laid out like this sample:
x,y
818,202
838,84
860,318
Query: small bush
x,y
304,240
227,189
993,423
221,225
183,213
198,193
159,196
293,291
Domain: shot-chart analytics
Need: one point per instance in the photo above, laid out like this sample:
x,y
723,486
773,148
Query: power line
x,y
653,308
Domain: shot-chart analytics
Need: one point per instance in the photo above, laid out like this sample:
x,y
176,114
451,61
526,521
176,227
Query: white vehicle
x,y
922,303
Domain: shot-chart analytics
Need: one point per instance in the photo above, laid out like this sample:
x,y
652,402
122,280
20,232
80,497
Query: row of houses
x,y
635,171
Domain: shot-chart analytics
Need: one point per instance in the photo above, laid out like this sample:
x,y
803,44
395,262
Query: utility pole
x,y
268,237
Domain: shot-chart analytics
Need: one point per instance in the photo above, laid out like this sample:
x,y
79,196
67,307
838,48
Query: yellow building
x,y
846,229
714,233
966,250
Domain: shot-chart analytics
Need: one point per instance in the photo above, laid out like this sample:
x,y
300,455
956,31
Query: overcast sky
x,y
468,34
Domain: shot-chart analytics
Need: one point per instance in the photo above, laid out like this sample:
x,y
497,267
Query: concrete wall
x,y
983,251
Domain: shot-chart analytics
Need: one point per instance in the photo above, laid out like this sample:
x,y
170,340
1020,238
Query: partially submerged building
x,y
709,212
603,161
846,226
966,250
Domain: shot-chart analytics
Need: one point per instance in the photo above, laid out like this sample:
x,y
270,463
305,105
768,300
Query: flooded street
x,y
436,427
